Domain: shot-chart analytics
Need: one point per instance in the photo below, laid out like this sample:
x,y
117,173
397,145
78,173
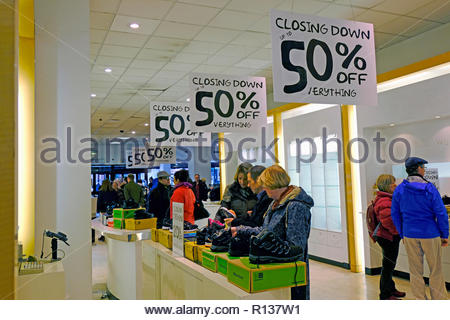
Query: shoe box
x,y
140,224
256,278
222,260
193,251
165,237
119,223
209,259
155,233
120,214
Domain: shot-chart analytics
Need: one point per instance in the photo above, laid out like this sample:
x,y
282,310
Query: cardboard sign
x,y
151,156
432,175
178,228
322,60
170,124
227,103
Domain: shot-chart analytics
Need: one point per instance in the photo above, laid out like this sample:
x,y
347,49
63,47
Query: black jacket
x,y
238,199
256,219
159,201
203,191
106,198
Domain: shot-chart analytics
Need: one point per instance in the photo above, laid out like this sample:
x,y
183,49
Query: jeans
x,y
390,254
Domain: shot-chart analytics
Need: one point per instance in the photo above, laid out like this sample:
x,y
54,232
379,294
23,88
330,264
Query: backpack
x,y
372,222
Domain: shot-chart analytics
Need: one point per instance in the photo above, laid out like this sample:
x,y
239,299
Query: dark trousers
x,y
390,254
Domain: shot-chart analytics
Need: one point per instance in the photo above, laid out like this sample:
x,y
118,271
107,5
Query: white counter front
x,y
170,277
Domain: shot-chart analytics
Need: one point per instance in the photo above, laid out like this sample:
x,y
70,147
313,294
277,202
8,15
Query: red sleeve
x,y
384,215
177,196
189,202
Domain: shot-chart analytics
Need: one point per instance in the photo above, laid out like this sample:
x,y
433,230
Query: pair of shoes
x,y
201,236
239,246
190,227
167,224
221,241
266,247
398,294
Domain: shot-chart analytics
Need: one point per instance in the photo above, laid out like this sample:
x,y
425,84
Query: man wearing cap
x,y
421,219
158,199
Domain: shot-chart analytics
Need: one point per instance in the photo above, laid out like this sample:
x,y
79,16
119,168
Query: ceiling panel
x,y
177,30
340,12
190,58
239,71
381,39
376,18
254,6
360,3
210,3
112,61
251,38
100,20
437,10
108,6
399,25
103,77
102,84
400,6
222,60
209,69
149,64
262,54
140,72
157,55
146,26
234,20
202,47
133,80
94,49
153,9
253,63
421,27
216,35
97,36
303,6
99,69
126,39
178,66
262,25
118,51
236,51
169,44
193,14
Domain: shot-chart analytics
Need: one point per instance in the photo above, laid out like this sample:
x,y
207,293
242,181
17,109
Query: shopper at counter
x,y
183,193
288,217
256,216
106,196
200,189
422,222
158,199
387,237
119,191
238,198
133,191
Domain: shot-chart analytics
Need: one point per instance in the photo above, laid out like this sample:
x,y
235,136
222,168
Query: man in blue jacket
x,y
422,222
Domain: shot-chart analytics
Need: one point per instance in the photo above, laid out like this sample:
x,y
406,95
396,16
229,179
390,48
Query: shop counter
x,y
124,279
47,285
167,276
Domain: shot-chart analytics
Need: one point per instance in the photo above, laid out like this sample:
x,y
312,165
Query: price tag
x,y
322,60
178,228
170,124
151,156
227,103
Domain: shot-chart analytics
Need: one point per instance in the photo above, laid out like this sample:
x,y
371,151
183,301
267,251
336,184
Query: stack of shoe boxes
x,y
120,214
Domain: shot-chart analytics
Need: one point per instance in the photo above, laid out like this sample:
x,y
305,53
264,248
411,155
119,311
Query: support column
x,y
278,134
8,213
354,223
63,117
222,164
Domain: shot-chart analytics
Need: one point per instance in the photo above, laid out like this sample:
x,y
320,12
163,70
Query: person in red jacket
x,y
387,236
183,193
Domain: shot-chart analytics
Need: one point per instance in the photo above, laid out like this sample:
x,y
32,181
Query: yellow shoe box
x,y
209,259
193,251
155,235
165,237
140,224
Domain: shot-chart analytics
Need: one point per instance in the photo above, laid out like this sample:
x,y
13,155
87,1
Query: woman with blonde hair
x,y
106,196
387,236
287,224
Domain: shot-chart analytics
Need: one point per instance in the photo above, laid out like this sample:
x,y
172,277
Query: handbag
x,y
199,211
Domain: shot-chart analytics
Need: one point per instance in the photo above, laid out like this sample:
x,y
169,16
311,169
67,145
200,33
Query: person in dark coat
x,y
158,200
106,196
238,198
200,189
387,236
256,216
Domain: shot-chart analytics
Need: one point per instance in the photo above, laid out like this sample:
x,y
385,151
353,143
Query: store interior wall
x,y
323,243
8,50
62,101
412,109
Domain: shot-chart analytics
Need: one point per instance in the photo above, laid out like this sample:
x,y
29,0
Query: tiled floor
x,y
327,282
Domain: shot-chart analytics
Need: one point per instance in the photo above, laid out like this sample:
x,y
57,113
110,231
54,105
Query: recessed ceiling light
x,y
108,70
437,117
133,132
392,124
134,26
188,99
93,95
146,124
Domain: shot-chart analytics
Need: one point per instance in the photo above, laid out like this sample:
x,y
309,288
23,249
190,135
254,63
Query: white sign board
x,y
322,60
151,156
227,103
432,175
178,228
170,125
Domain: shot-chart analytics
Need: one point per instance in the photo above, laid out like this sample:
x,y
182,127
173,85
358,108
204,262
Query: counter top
x,y
121,234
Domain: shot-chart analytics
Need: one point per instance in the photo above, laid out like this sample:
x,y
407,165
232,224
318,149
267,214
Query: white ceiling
x,y
211,36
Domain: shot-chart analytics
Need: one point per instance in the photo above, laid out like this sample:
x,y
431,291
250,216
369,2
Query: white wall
x,y
63,100
412,109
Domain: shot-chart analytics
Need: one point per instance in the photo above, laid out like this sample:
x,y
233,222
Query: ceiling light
x,y
93,95
188,99
133,132
134,26
146,124
437,117
392,124
108,70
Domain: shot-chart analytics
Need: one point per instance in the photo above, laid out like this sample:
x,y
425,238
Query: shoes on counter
x,y
221,241
239,246
167,224
190,227
266,247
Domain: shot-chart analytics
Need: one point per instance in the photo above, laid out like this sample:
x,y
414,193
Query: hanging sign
x,y
322,60
227,103
170,124
151,156
178,228
432,175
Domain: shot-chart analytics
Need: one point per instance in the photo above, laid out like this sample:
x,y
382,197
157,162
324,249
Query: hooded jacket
x,y
238,199
382,207
418,211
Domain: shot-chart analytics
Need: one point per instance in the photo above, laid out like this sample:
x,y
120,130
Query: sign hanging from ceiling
x,y
151,156
322,60
170,124
223,103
